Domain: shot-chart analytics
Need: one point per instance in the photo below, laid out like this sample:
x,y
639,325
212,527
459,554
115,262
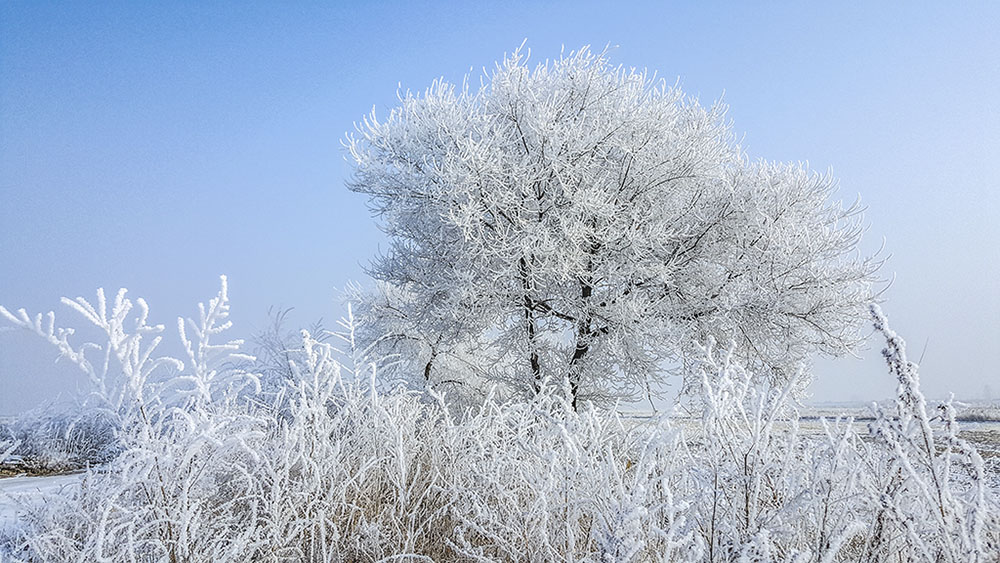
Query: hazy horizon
x,y
157,147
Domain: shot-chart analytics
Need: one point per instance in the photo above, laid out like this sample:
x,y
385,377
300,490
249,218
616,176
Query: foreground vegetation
x,y
51,440
338,465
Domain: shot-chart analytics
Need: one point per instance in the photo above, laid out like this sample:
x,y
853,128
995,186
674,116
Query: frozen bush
x,y
62,439
353,468
7,448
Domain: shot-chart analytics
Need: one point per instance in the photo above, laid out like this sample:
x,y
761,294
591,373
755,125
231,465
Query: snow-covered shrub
x,y
59,439
339,466
172,425
931,484
7,448
909,487
274,349
759,489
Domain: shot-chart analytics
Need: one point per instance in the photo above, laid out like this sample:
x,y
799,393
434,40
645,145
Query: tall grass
x,y
335,466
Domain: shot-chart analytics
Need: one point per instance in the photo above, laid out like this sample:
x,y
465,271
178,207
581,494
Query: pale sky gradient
x,y
158,146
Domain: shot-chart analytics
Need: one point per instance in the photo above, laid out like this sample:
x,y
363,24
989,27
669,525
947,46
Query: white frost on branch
x,y
584,221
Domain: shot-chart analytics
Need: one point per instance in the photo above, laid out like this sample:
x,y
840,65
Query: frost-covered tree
x,y
582,221
392,327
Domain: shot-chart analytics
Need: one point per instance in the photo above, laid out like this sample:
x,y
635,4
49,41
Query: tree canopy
x,y
588,223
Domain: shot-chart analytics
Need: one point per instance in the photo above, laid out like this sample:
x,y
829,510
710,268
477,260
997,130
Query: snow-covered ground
x,y
14,491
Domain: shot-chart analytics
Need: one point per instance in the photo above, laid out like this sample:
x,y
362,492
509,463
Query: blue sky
x,y
157,146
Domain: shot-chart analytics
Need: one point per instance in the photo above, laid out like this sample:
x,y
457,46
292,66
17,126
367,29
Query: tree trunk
x,y
584,323
529,319
430,363
584,332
